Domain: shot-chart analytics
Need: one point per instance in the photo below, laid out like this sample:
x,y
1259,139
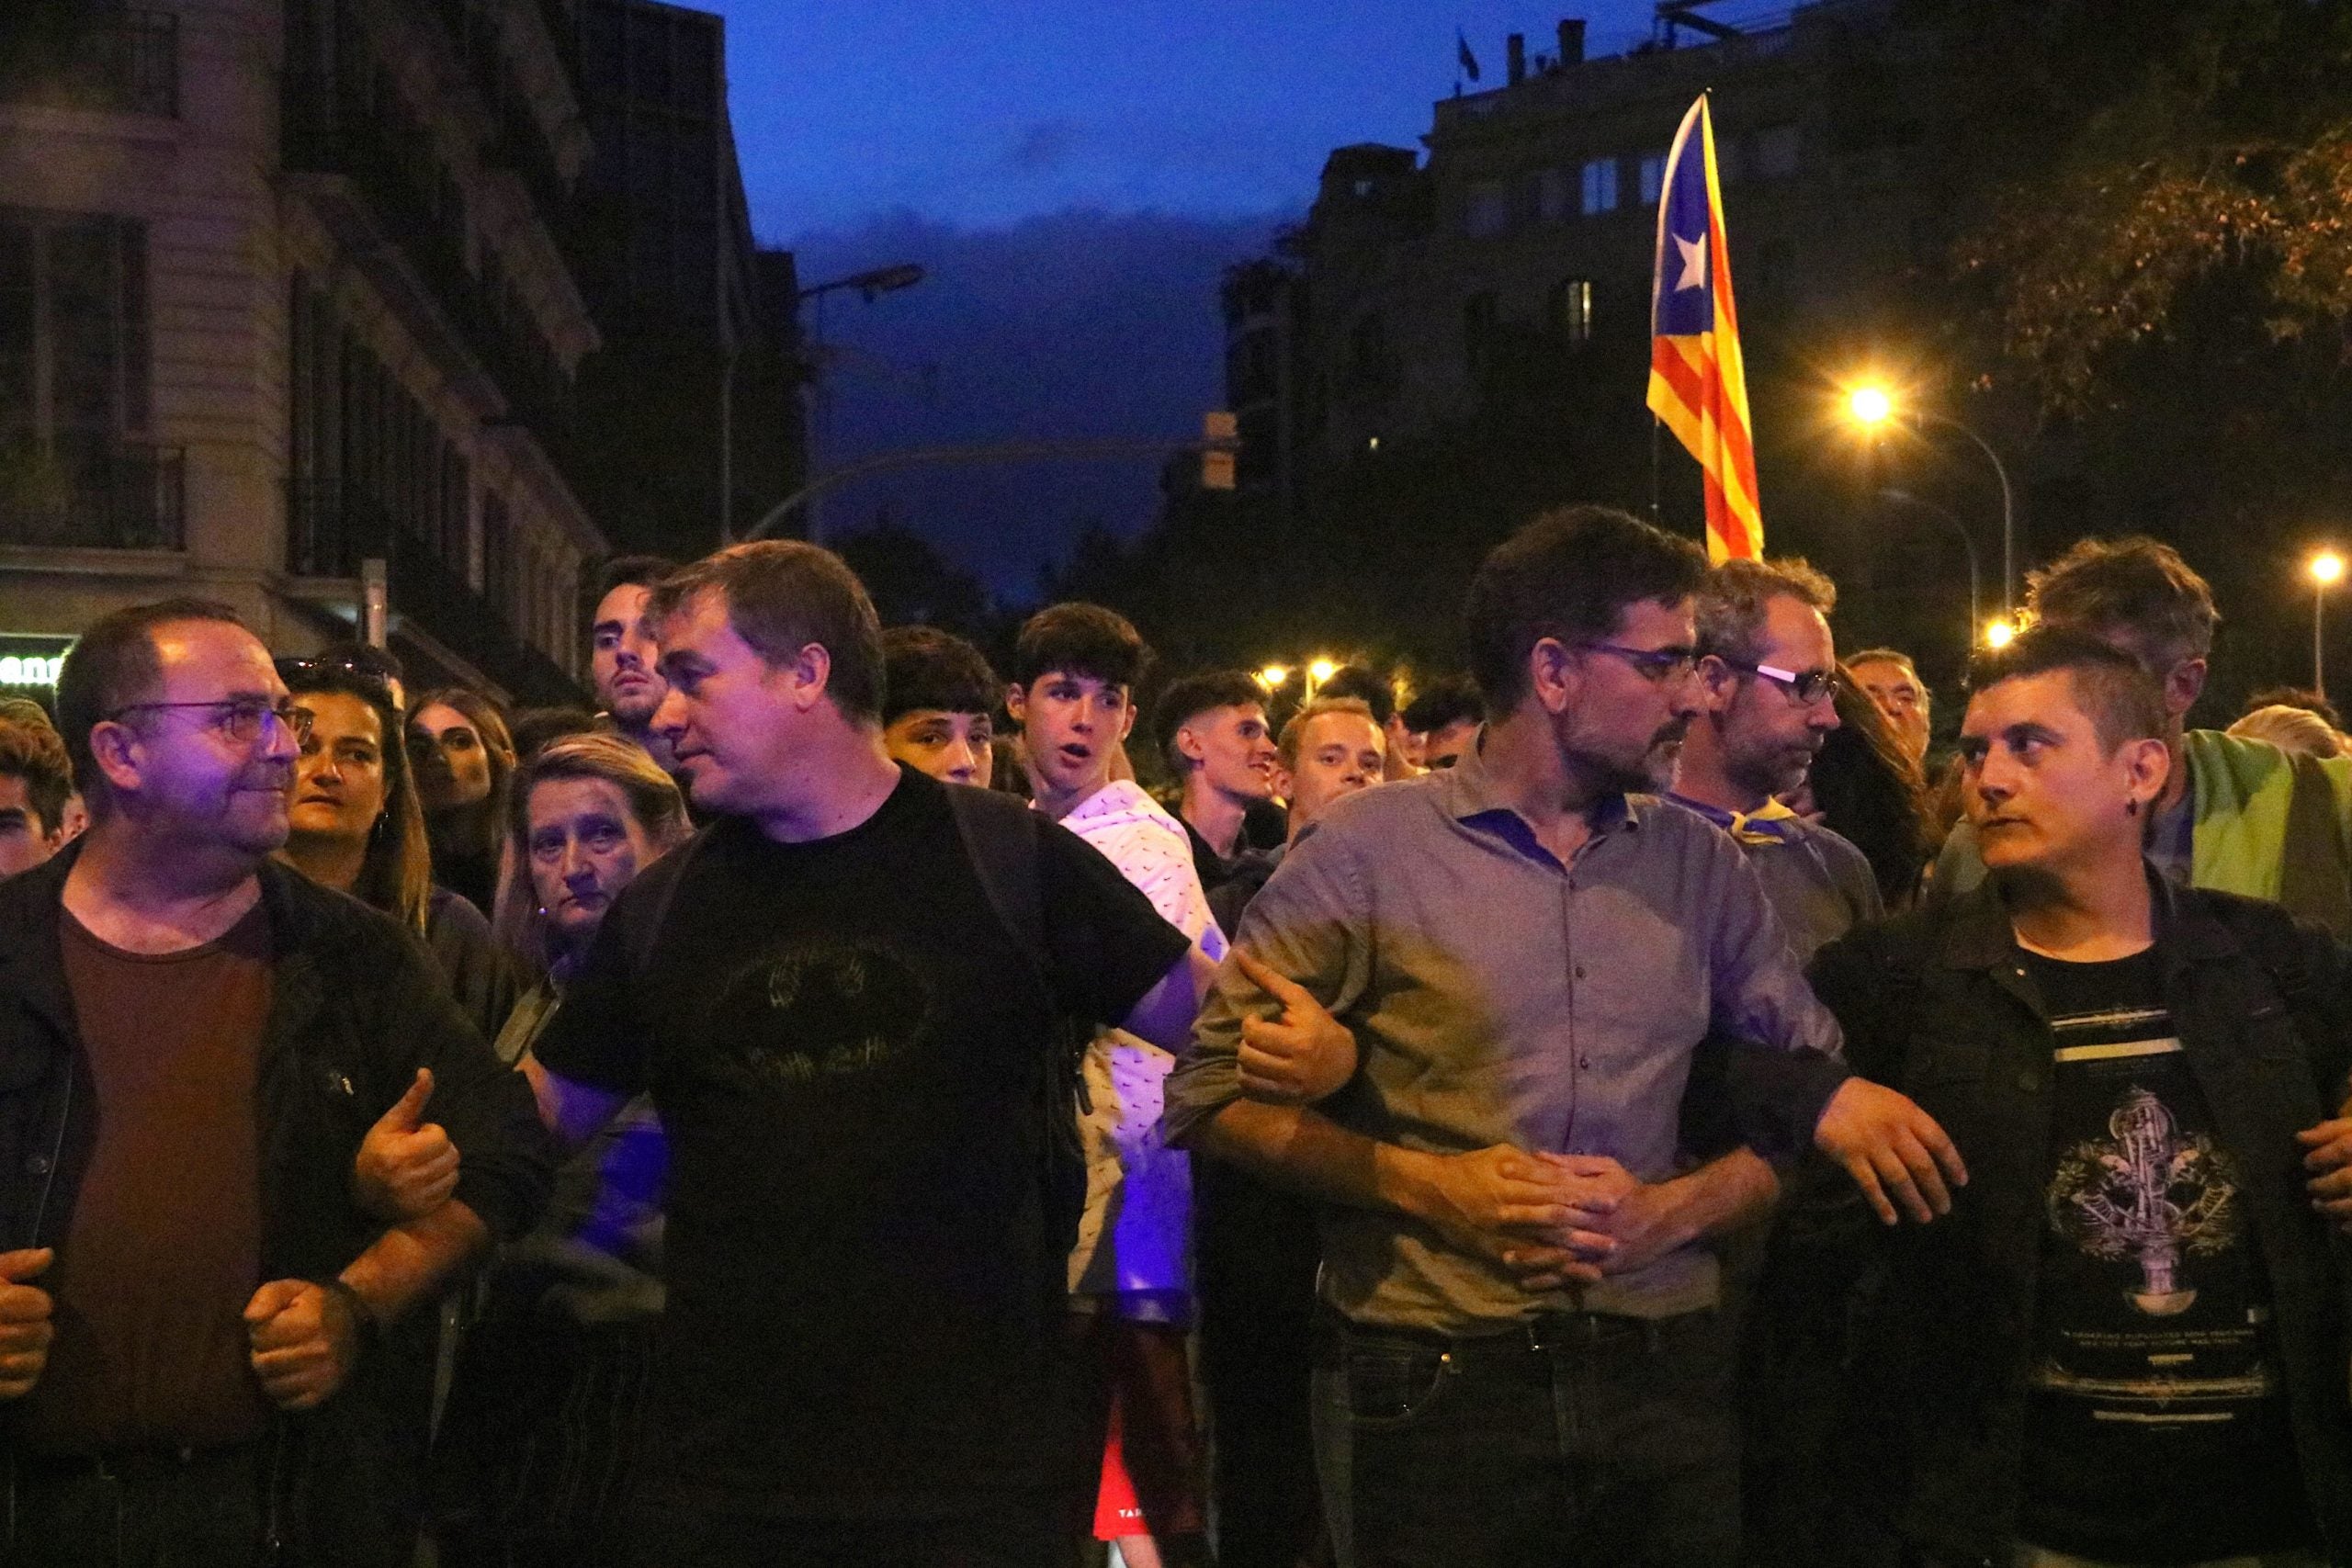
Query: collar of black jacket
x,y
1977,934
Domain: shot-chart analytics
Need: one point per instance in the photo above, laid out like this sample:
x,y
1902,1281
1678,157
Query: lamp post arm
x,y
2008,509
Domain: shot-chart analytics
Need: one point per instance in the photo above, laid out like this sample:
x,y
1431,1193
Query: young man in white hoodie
x,y
1075,670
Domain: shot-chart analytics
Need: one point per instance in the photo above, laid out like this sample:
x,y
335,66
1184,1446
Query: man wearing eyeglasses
x,y
1524,1361
193,1042
1768,689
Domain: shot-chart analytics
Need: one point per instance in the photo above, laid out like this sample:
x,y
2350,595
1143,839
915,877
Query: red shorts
x,y
1151,1458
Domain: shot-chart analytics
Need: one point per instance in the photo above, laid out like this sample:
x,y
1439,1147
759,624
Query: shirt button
x,y
2028,1081
1584,1061
37,1164
1579,971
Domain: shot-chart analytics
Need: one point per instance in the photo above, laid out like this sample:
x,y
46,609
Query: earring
x,y
2131,808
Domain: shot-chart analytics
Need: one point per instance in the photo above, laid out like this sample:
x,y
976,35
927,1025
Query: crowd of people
x,y
1632,1103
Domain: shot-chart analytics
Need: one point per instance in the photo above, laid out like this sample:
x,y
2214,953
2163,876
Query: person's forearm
x,y
411,1262
1165,1015
1305,1151
1721,1195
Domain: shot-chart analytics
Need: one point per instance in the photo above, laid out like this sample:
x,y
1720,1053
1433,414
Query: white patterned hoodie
x,y
1134,1240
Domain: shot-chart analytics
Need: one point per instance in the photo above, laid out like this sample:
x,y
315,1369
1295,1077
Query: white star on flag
x,y
1694,263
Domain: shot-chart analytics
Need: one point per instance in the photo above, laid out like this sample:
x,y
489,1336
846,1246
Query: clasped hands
x,y
303,1339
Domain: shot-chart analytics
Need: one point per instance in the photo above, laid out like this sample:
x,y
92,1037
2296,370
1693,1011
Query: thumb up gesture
x,y
407,1166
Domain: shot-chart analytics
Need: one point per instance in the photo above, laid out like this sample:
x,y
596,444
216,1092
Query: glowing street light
x,y
2327,569
1321,670
1273,676
1999,633
1874,406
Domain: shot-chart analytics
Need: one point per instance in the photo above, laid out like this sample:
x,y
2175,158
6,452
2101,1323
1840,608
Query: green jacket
x,y
2268,824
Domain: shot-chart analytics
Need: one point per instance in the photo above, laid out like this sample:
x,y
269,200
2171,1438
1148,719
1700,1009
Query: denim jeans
x,y
202,1509
1577,1439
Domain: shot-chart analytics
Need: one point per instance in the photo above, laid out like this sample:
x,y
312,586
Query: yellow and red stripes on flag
x,y
1698,385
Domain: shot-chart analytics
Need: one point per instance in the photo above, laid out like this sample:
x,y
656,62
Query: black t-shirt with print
x,y
2157,1426
844,1048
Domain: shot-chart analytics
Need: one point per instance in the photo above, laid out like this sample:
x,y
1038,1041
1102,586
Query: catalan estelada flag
x,y
1698,382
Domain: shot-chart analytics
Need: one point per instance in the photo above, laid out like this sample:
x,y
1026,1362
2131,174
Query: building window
x,y
1551,195
1600,187
1653,177
74,379
1487,211
1776,153
1570,310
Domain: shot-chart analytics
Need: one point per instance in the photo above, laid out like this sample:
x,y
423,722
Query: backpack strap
x,y
1002,840
672,870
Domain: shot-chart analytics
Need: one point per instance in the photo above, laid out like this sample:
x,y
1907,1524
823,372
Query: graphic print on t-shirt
x,y
817,1009
2149,1191
2154,1384
2147,1204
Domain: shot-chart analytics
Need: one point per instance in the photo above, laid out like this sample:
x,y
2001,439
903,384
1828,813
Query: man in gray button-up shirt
x,y
1528,951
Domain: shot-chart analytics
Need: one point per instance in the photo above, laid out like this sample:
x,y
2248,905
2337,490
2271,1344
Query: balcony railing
x,y
122,496
126,62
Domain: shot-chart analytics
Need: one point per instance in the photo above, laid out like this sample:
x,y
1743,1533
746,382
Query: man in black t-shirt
x,y
848,1042
2125,1344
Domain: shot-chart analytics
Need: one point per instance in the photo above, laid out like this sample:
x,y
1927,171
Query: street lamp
x,y
2326,568
1874,406
1999,634
1273,677
1967,541
1318,671
871,284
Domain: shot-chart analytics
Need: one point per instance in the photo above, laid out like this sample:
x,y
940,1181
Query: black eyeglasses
x,y
241,719
311,674
1659,665
1808,686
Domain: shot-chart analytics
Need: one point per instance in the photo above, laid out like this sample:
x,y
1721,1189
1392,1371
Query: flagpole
x,y
1658,514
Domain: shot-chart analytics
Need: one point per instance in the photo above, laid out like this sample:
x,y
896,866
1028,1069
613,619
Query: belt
x,y
1548,1332
145,1461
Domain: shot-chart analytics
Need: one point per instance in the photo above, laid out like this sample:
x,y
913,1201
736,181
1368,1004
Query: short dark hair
x,y
33,753
2137,585
639,571
2123,697
381,662
927,669
2301,698
1443,702
1355,681
1737,594
114,662
1196,694
782,595
1080,639
1568,574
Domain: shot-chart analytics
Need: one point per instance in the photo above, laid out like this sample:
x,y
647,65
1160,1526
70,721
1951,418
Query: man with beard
x,y
1769,674
621,653
1524,1361
201,1331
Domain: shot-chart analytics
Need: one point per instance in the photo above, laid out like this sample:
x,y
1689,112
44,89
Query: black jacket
x,y
356,1006
1939,1003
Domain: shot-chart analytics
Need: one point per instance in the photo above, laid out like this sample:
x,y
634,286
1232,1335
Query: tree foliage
x,y
2144,152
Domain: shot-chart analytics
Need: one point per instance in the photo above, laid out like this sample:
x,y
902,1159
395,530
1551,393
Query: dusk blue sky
x,y
1074,177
